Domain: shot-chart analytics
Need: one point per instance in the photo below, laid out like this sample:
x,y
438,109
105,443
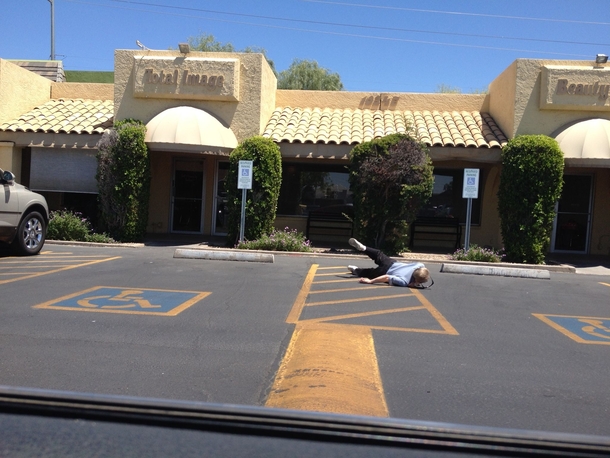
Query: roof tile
x,y
346,126
71,116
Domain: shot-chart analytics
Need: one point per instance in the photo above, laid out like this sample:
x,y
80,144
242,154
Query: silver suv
x,y
24,216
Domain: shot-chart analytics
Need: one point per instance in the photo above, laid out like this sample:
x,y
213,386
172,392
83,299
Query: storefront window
x,y
447,201
309,187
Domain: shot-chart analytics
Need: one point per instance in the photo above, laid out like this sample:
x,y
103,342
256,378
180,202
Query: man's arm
x,y
382,279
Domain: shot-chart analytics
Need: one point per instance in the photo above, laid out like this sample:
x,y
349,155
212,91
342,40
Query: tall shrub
x,y
530,184
123,177
391,179
261,200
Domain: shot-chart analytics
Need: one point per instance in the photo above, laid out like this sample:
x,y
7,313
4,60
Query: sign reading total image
x,y
186,78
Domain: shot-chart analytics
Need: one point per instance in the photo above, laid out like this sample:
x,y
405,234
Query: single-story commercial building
x,y
198,106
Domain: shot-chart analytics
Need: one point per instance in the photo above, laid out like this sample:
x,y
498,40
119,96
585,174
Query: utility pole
x,y
52,29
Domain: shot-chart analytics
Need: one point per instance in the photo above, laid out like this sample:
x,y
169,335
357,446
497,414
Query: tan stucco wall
x,y
20,91
91,91
10,158
502,100
515,98
381,100
245,117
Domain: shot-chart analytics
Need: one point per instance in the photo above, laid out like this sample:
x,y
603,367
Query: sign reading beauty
x,y
191,78
575,88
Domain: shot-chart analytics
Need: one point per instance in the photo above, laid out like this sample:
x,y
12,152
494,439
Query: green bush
x,y
530,184
261,200
67,225
391,179
123,177
476,253
286,240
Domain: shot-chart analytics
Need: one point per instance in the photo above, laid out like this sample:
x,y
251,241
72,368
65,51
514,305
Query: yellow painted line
x,y
299,303
605,284
343,280
361,314
336,273
360,299
337,290
330,368
436,314
27,277
333,268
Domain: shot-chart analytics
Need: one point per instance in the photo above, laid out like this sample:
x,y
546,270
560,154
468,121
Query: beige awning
x,y
586,143
189,129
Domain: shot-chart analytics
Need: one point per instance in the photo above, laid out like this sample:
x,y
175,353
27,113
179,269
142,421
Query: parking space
x,y
132,301
13,269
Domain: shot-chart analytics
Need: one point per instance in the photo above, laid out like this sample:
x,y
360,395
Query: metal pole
x,y
243,215
52,29
468,217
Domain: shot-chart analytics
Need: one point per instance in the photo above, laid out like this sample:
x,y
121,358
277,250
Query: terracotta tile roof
x,y
346,126
67,116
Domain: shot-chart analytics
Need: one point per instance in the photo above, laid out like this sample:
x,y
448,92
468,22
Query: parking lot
x,y
474,349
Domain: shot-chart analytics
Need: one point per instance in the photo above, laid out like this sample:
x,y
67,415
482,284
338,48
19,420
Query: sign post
x,y
244,182
470,191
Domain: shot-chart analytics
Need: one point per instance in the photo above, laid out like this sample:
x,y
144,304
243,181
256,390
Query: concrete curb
x,y
223,255
267,256
500,271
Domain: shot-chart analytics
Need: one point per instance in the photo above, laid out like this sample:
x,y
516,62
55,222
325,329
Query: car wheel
x,y
30,234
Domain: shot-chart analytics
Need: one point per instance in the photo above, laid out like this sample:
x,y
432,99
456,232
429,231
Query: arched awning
x,y
585,143
189,129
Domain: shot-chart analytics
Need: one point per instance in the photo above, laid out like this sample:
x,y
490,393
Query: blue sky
x,y
374,45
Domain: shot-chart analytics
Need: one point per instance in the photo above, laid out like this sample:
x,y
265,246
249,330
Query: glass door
x,y
572,223
220,199
187,196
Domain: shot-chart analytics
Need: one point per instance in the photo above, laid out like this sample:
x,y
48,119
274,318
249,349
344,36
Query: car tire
x,y
30,235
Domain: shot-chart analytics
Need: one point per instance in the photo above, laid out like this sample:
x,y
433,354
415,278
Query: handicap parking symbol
x,y
582,329
127,300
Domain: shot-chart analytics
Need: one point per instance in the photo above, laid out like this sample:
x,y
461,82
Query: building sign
x,y
186,78
575,88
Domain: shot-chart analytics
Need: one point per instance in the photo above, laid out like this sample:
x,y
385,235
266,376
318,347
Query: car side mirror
x,y
8,177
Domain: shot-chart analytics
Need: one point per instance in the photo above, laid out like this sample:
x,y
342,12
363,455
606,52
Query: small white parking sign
x,y
244,175
471,184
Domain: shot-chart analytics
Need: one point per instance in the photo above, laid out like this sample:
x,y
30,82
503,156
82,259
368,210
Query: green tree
x,y
530,184
207,43
123,177
391,179
308,75
261,200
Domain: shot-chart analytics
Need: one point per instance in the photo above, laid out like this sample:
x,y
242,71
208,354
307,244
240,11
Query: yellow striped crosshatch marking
x,y
330,365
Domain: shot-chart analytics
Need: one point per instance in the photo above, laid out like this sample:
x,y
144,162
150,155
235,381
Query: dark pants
x,y
383,264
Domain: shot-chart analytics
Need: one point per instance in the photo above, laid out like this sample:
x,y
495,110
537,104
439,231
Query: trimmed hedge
x,y
261,200
391,179
530,184
123,177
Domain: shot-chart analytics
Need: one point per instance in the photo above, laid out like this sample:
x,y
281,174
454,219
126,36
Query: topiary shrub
x,y
530,184
72,226
123,177
391,179
286,240
261,200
